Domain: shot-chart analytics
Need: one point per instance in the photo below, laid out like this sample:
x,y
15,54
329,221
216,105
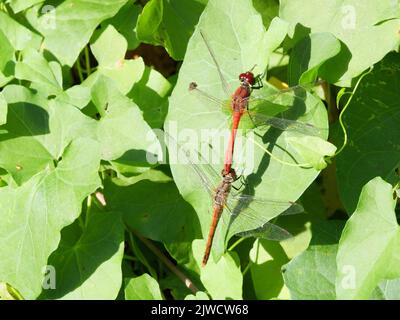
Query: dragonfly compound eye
x,y
250,77
247,77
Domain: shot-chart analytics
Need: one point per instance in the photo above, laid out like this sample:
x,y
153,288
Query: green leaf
x,y
200,295
313,150
267,258
269,9
122,131
222,280
7,51
175,286
78,96
309,55
88,258
42,74
20,5
370,243
155,209
37,131
371,121
109,49
169,23
125,22
311,275
34,214
61,30
237,47
3,109
5,294
125,75
388,290
19,36
143,287
358,24
151,94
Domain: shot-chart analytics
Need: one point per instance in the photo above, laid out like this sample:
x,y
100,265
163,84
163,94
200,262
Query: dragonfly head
x,y
247,77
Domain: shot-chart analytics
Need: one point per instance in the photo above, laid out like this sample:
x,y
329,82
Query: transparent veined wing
x,y
246,212
268,231
207,175
282,96
283,124
224,83
258,107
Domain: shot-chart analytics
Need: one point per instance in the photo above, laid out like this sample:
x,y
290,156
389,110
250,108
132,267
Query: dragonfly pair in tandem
x,y
254,212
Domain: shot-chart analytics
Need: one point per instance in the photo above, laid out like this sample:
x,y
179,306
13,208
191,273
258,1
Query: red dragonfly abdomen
x,y
214,222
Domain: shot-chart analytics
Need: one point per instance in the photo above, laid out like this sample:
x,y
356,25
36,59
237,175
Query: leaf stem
x,y
88,70
236,243
14,292
340,95
188,283
78,68
247,268
3,7
141,256
129,257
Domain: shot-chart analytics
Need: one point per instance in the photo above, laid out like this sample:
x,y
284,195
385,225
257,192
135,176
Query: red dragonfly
x,y
240,102
246,211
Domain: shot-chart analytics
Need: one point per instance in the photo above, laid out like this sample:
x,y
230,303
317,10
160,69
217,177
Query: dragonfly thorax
x,y
229,177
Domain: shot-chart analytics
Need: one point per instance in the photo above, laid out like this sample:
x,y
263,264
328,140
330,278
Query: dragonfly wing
x,y
287,125
285,207
206,173
268,231
248,213
224,83
276,96
255,225
208,98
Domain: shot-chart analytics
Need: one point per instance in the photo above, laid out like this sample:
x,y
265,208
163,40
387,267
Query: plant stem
x,y
188,283
236,243
87,61
345,107
141,256
14,293
255,260
247,268
78,68
128,257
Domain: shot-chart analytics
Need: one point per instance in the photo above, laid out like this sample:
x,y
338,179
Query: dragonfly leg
x,y
251,118
258,82
242,182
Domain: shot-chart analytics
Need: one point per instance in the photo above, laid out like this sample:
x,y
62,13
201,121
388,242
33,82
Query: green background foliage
x,y
90,206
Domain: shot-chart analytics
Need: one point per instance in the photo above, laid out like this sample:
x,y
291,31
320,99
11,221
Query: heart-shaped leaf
x,y
237,47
